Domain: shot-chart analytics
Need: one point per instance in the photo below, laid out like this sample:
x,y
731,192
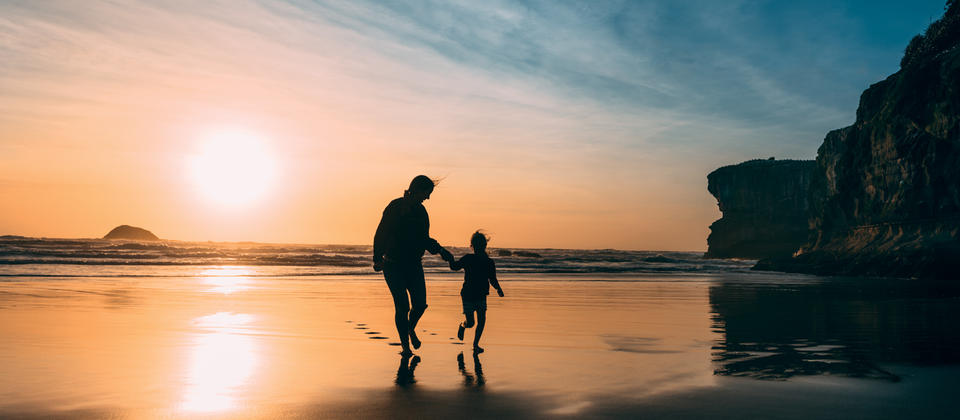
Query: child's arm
x,y
493,278
456,265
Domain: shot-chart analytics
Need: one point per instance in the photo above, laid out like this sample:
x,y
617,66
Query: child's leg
x,y
468,319
481,320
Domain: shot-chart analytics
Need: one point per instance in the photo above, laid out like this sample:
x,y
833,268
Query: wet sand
x,y
226,345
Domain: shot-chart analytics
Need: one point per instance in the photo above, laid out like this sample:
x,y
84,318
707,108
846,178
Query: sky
x,y
550,124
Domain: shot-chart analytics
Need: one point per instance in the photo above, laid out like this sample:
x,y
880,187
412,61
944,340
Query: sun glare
x,y
232,168
223,357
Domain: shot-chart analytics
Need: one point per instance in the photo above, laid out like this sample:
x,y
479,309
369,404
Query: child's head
x,y
478,241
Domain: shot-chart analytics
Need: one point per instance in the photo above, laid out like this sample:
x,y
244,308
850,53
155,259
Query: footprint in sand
x,y
377,337
359,328
372,332
457,342
393,344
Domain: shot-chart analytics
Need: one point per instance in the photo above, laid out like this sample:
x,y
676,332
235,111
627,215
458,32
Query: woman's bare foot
x,y
460,332
414,340
406,352
477,349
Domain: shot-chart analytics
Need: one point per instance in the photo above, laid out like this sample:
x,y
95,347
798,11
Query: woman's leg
x,y
401,305
418,295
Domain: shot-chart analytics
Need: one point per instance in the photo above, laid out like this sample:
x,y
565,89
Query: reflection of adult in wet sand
x,y
405,371
398,246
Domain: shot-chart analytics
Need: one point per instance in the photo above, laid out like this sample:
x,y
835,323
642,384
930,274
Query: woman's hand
x,y
446,255
378,265
500,292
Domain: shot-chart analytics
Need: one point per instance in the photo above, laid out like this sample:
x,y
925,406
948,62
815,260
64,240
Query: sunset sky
x,y
554,124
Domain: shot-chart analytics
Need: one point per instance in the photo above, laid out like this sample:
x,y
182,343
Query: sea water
x,y
188,328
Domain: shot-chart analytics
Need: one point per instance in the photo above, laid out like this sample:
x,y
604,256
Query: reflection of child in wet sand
x,y
468,379
479,274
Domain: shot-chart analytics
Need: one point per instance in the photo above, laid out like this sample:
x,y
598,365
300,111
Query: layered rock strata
x,y
765,208
885,195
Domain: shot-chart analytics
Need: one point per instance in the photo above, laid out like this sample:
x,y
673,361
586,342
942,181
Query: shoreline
x,y
236,346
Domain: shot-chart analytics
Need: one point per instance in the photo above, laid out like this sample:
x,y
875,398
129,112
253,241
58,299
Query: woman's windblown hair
x,y
420,183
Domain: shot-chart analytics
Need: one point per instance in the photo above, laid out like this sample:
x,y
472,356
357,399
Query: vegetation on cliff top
x,y
942,35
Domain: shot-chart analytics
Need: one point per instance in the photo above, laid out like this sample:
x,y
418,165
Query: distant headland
x,y
131,233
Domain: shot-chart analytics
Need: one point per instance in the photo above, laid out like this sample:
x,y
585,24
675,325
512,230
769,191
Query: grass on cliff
x,y
942,35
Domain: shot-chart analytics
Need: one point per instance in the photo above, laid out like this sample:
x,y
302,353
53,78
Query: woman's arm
x,y
386,234
430,244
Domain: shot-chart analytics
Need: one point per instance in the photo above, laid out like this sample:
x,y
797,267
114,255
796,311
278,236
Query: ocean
x,y
42,257
93,328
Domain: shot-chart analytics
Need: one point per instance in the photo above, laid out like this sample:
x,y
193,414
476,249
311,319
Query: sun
x,y
232,167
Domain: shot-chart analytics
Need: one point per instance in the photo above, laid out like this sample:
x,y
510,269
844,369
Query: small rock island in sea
x,y
131,233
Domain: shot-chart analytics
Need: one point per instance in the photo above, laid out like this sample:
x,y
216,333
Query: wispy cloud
x,y
575,93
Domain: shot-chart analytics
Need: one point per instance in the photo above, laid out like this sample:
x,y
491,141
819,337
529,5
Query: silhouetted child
x,y
479,274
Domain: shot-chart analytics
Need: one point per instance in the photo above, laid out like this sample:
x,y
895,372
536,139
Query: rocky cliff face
x,y
765,208
131,233
885,195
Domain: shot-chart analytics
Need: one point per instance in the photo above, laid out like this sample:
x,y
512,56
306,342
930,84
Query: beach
x,y
231,342
696,210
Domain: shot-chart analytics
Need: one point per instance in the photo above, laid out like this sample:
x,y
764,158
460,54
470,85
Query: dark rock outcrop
x,y
885,195
527,254
131,233
765,208
509,253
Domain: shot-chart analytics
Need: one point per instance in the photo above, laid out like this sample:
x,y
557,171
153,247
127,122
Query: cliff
x,y
131,233
765,208
885,196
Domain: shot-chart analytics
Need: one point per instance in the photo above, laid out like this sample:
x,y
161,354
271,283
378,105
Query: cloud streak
x,y
599,99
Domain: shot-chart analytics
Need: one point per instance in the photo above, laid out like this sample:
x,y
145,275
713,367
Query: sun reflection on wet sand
x,y
226,280
305,348
222,359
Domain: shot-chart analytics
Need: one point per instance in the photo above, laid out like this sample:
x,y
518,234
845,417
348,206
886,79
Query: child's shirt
x,y
479,273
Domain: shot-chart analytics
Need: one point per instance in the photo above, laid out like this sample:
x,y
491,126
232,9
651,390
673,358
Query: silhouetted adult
x,y
398,246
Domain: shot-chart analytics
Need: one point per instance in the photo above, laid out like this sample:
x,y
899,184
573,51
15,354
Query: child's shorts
x,y
472,304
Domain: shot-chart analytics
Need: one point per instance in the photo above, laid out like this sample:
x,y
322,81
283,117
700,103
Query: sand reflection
x,y
221,361
226,280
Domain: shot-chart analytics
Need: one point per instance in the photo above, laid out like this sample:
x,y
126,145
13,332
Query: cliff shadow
x,y
846,327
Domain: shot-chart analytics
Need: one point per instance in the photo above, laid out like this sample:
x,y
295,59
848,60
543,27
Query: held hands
x,y
446,255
